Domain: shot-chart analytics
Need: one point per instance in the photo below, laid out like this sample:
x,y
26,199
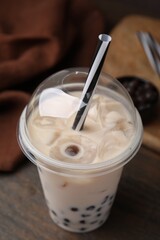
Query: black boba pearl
x,y
111,197
105,200
90,208
99,214
131,87
144,95
74,209
94,222
54,213
66,220
150,96
82,229
65,224
82,221
143,106
85,215
99,209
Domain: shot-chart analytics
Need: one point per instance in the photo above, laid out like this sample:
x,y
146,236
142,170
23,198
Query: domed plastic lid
x,y
111,133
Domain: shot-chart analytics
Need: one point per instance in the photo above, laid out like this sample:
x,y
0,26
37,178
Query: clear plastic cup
x,y
79,196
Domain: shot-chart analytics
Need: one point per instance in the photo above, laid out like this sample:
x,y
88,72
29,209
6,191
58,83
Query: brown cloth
x,y
38,38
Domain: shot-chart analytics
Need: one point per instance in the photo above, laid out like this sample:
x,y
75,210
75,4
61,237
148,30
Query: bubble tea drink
x,y
79,170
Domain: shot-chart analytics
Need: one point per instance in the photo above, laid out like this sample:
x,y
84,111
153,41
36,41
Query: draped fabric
x,y
38,38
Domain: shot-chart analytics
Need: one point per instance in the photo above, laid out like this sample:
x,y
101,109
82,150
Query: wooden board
x,y
126,57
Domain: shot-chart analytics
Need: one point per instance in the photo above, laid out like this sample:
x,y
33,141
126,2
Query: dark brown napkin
x,y
38,38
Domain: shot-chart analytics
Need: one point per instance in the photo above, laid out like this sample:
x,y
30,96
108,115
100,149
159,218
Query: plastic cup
x,y
79,196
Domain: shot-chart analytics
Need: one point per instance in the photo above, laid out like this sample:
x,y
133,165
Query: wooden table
x,y
135,213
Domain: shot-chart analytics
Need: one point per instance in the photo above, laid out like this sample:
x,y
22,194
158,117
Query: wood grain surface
x,y
127,58
135,213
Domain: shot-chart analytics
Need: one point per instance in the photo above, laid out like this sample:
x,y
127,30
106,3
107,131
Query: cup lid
x,y
53,100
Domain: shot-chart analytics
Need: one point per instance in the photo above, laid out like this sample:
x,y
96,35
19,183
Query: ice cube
x,y
112,144
49,122
44,130
107,107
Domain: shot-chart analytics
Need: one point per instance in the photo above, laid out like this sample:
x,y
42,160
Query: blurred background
x,y
114,10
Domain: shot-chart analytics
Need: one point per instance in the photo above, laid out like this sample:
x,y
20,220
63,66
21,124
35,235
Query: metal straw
x,y
91,82
151,48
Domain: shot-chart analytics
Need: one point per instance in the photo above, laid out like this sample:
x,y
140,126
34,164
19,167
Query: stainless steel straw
x,y
91,82
151,48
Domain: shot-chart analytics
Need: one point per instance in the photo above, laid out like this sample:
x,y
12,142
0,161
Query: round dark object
x,y
144,94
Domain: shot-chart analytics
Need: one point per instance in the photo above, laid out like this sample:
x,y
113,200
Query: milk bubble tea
x,y
82,202
79,204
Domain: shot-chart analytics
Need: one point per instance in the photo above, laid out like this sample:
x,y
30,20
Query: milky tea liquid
x,y
81,202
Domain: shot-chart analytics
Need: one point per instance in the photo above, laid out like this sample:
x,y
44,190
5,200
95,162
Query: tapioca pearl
x,y
93,222
54,213
65,224
111,199
74,209
85,215
105,200
98,215
66,220
99,209
82,222
90,208
83,229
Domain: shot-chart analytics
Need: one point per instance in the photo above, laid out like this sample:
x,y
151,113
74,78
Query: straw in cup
x,y
91,82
